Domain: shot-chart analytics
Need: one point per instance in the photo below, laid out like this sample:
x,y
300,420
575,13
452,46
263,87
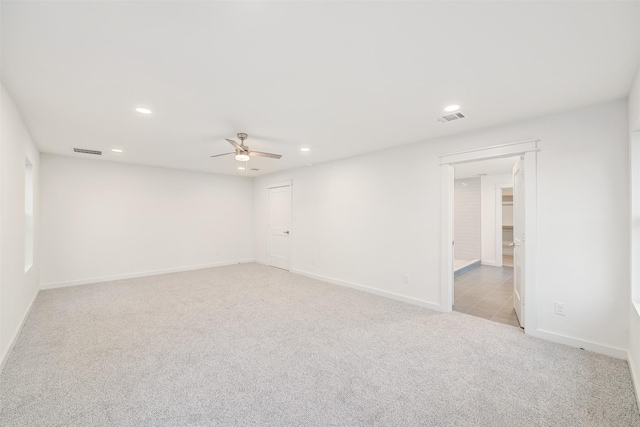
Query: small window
x,y
28,214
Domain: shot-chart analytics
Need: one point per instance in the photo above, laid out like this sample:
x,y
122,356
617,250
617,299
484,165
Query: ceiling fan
x,y
242,151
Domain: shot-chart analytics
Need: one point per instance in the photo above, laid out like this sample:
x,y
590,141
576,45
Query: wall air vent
x,y
83,151
450,117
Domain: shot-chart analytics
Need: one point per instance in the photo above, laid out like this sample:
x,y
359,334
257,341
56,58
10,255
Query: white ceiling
x,y
342,78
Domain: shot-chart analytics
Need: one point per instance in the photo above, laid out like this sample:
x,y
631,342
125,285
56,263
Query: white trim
x,y
280,184
530,243
491,263
446,233
258,261
398,297
498,231
14,339
55,285
494,152
635,375
576,342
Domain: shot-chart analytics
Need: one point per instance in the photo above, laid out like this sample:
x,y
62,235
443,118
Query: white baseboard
x,y
635,375
492,263
375,291
14,339
258,261
88,281
575,342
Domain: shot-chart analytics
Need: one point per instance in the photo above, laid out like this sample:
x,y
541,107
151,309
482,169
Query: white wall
x,y
466,219
369,219
634,310
18,288
105,220
491,221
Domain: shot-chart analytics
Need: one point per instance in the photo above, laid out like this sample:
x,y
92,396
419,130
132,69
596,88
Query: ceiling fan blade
x,y
259,154
235,144
225,154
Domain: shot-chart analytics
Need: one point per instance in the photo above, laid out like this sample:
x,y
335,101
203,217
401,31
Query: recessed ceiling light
x,y
143,110
305,149
241,168
117,150
452,108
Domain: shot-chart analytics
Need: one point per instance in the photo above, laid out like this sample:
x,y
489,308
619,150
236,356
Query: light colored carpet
x,y
254,345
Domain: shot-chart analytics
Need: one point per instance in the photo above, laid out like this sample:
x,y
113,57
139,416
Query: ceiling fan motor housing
x,y
242,151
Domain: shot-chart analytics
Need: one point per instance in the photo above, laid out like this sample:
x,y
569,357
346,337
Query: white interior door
x,y
518,240
280,227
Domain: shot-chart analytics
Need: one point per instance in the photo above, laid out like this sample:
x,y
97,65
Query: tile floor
x,y
486,292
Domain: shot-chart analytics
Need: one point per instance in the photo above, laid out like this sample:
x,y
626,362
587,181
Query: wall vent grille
x,y
83,151
451,117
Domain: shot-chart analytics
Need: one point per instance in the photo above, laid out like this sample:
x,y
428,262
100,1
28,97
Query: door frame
x,y
269,187
528,149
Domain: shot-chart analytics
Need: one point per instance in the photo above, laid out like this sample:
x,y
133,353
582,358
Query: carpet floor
x,y
254,345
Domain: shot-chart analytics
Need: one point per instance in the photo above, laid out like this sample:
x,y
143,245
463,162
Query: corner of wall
x,y
633,353
18,288
12,342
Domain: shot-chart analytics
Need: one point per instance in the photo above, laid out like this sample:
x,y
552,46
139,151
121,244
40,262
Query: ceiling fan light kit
x,y
243,154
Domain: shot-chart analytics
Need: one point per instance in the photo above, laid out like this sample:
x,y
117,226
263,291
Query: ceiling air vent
x,y
254,169
83,151
450,117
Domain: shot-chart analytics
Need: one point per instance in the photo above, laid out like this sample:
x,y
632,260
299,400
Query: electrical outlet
x,y
405,279
560,309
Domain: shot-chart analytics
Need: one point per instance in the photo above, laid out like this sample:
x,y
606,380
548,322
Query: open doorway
x,y
518,282
483,239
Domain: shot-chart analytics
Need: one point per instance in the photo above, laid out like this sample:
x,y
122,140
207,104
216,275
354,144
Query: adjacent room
x,y
484,241
319,213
